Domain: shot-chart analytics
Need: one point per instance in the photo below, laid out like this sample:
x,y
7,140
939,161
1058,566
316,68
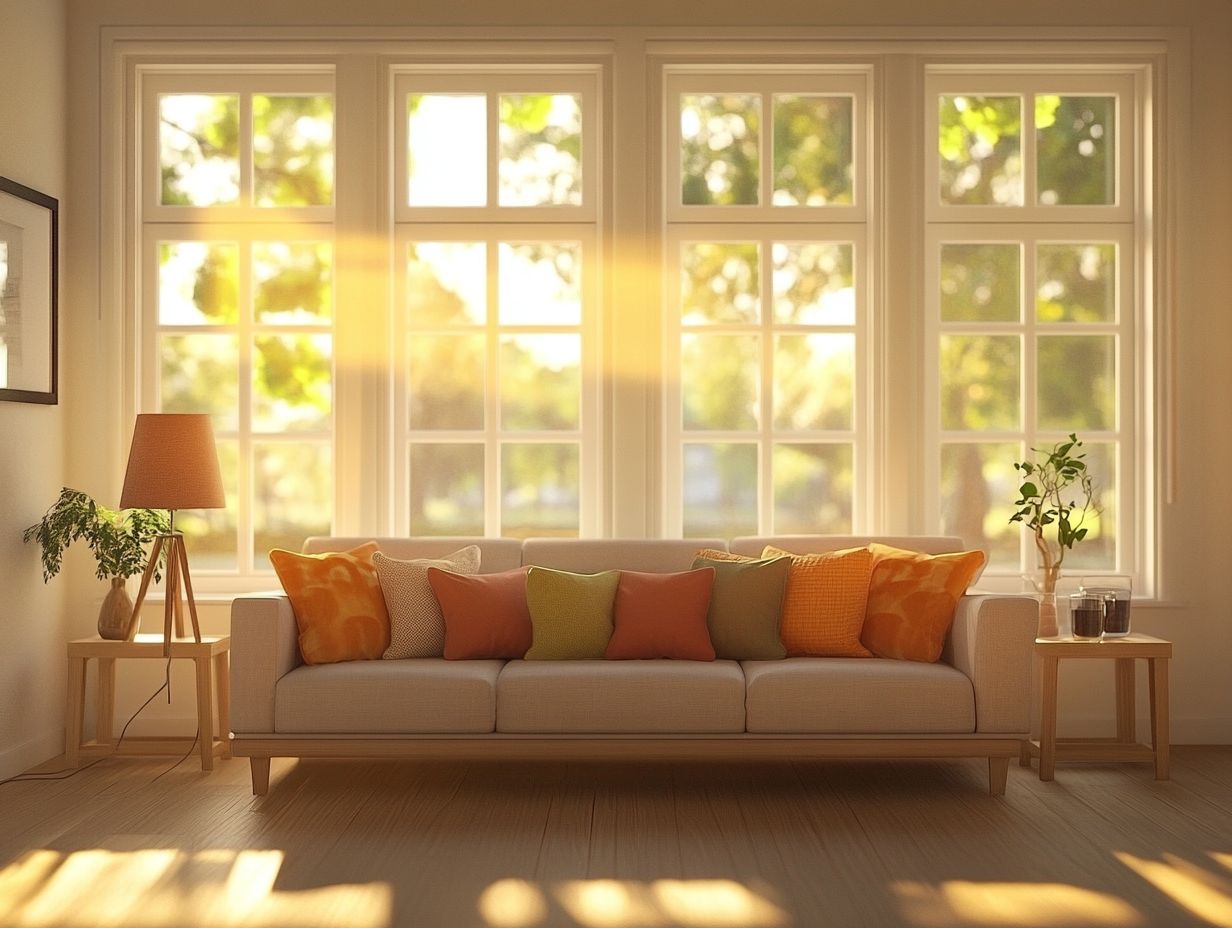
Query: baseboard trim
x,y
21,757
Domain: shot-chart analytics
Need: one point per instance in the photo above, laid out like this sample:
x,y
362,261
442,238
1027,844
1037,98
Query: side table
x,y
210,655
1125,746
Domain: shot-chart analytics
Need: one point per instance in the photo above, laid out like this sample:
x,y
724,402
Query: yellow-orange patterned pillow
x,y
823,608
912,598
714,554
337,602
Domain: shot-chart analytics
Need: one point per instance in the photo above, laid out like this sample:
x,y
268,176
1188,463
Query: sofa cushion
x,y
415,696
850,695
581,697
662,616
416,626
570,614
337,602
746,606
485,616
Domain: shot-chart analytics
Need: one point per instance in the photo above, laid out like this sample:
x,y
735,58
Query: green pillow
x,y
746,607
570,614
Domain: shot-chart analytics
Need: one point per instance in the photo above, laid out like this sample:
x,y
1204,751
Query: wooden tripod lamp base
x,y
179,580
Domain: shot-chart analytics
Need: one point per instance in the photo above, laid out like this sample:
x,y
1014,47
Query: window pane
x,y
813,488
446,283
540,490
1098,549
540,283
198,283
211,533
719,381
1077,382
292,496
720,490
293,282
1075,283
540,149
447,149
446,489
292,382
981,282
719,148
541,381
978,488
719,282
1075,151
200,373
813,283
812,150
980,143
199,149
980,381
293,150
814,381
445,378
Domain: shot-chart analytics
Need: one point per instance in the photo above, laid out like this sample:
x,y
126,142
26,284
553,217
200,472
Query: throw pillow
x,y
823,608
570,614
662,615
912,598
416,626
746,606
486,616
714,554
337,602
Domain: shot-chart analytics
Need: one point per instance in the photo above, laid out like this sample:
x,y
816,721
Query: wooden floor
x,y
376,844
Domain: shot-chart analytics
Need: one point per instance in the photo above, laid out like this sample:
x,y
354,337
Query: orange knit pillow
x,y
912,598
823,608
337,602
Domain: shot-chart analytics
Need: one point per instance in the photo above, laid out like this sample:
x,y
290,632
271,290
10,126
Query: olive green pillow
x,y
746,607
570,614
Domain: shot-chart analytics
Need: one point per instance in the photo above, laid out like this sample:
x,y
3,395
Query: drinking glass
x,y
1117,592
1086,612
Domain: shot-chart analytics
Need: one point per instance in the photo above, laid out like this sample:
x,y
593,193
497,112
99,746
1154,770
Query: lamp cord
x,y
66,773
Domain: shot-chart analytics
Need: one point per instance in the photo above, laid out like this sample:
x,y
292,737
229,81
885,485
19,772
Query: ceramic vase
x,y
115,618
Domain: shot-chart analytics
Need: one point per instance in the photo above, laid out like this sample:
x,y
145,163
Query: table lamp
x,y
172,465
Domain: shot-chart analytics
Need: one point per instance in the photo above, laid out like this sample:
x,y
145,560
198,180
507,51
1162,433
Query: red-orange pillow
x,y
486,616
912,598
662,615
337,601
823,608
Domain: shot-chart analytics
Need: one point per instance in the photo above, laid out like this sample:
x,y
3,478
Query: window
x,y
1032,259
767,198
237,286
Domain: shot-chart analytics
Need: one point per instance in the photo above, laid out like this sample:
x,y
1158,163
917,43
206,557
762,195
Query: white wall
x,y
1195,532
32,627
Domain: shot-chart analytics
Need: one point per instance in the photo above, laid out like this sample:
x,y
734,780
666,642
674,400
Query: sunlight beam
x,y
1198,892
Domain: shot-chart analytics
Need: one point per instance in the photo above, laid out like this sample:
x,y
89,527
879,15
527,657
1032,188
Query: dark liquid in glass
x,y
1116,620
1088,623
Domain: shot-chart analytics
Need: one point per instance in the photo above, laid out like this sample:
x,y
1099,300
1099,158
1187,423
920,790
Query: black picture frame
x,y
29,286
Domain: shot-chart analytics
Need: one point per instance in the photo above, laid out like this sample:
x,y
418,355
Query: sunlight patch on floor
x,y
1203,894
610,903
959,902
161,888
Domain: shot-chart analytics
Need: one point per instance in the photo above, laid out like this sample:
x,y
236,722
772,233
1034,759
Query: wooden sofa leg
x,y
260,775
998,772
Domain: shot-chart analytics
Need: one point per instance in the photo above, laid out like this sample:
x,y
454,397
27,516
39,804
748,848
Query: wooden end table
x,y
213,687
1125,746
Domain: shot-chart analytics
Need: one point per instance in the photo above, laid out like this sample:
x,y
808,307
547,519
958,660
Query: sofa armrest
x,y
264,647
992,643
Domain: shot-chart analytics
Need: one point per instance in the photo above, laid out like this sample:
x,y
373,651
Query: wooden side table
x,y
1125,746
210,654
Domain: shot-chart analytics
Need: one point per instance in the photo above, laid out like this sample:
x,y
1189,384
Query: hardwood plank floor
x,y
617,845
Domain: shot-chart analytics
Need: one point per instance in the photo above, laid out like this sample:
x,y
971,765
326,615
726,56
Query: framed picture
x,y
29,232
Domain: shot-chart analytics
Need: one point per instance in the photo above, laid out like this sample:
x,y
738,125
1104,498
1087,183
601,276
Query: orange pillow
x,y
823,608
337,602
486,616
912,598
662,615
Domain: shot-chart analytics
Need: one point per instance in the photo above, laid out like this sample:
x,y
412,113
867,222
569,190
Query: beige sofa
x,y
973,703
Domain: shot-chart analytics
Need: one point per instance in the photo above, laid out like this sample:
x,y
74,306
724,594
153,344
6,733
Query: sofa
x,y
973,703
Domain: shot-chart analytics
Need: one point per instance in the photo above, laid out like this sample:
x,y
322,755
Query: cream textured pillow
x,y
416,626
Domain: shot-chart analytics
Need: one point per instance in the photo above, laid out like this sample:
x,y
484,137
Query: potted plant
x,y
1047,482
118,540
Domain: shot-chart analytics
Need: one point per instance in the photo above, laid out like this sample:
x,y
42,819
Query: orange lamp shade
x,y
173,464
